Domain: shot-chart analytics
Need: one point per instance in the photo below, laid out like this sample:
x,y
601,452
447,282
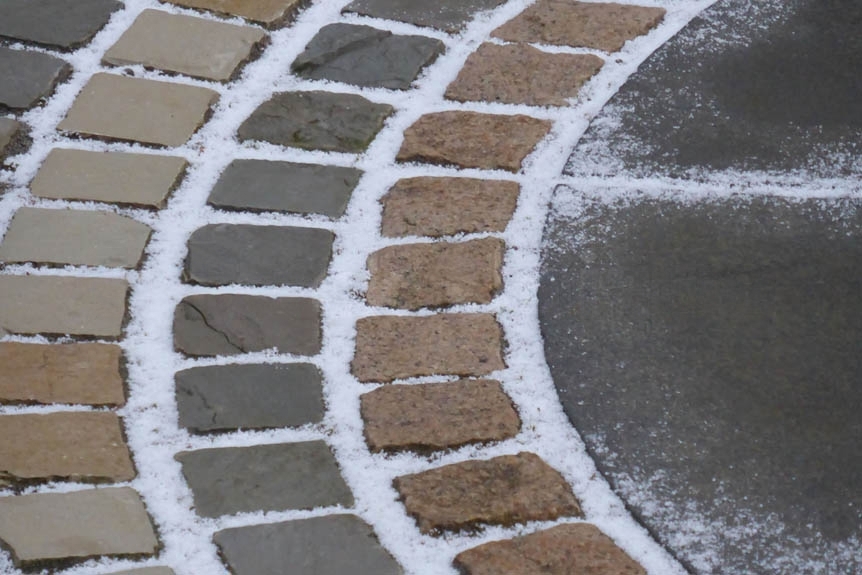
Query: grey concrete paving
x,y
28,76
55,23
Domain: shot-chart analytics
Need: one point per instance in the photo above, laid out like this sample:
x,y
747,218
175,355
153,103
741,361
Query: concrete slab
x,y
55,22
28,76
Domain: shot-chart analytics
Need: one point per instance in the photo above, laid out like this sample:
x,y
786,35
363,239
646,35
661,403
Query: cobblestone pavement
x,y
268,294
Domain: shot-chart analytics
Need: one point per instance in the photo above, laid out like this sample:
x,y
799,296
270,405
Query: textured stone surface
x,y
433,275
114,177
331,545
439,207
521,74
603,26
447,16
62,305
78,446
185,45
55,22
505,490
9,130
472,140
75,526
228,324
28,77
135,109
270,13
572,549
316,121
366,56
146,571
222,254
437,416
391,347
263,186
228,397
74,237
69,373
264,478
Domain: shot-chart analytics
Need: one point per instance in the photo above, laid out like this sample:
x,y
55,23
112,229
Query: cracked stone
x,y
316,121
435,275
57,23
76,526
439,207
330,545
270,13
447,16
437,416
506,490
134,109
229,397
113,177
521,74
472,140
261,185
230,324
76,446
28,77
183,44
366,56
70,373
274,477
580,24
393,347
74,237
571,549
62,305
223,254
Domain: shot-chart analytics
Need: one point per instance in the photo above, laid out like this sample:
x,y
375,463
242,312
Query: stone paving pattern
x,y
54,529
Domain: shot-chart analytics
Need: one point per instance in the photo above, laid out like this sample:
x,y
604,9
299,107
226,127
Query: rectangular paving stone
x,y
186,45
56,23
603,26
275,477
439,207
506,490
521,74
316,121
28,77
562,550
447,16
437,416
62,305
472,140
230,397
87,373
138,110
52,527
74,237
113,177
366,56
265,186
270,13
76,446
330,545
229,324
223,254
395,347
441,274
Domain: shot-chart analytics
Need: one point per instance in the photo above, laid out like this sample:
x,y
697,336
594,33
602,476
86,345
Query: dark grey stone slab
x,y
222,254
57,23
229,324
261,185
331,545
710,356
766,86
229,397
316,121
28,77
9,131
449,16
366,56
264,478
